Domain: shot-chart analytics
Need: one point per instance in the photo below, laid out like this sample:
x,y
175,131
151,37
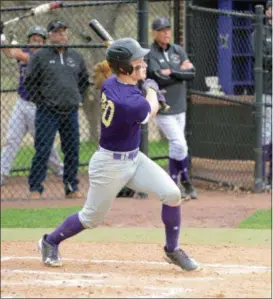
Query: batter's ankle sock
x,y
184,164
70,227
174,169
171,217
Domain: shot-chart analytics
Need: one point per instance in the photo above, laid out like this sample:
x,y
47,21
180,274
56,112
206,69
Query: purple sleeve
x,y
137,109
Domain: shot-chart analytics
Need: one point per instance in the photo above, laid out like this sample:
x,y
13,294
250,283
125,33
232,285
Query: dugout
x,y
221,128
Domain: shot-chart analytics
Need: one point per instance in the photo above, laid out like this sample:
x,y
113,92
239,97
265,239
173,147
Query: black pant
x,y
46,126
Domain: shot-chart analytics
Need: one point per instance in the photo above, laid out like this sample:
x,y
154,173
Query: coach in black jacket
x,y
56,79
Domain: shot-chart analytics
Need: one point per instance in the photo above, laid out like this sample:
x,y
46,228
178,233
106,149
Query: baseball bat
x,y
101,32
43,8
85,35
108,40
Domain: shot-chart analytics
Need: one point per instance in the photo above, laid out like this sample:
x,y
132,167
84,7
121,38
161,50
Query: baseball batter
x,y
23,115
118,161
170,67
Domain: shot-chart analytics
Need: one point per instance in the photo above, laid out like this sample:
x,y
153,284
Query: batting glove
x,y
150,83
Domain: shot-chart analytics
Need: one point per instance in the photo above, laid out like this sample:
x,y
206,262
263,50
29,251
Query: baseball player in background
x,y
170,67
118,161
23,115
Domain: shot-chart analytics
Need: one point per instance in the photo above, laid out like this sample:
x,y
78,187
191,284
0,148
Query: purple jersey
x,y
22,69
123,109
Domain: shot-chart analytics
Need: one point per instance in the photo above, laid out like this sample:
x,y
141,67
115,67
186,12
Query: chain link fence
x,y
223,115
120,18
224,106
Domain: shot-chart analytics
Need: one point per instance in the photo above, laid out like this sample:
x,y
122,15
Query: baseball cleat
x,y
74,195
50,253
179,258
189,192
35,195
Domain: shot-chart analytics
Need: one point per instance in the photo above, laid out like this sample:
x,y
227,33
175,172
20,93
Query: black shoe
x,y
189,192
179,258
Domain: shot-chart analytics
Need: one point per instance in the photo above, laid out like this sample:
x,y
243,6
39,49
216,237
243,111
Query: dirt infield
x,y
120,270
134,271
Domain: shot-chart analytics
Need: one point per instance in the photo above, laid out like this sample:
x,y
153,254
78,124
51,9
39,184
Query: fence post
x,y
258,72
176,21
188,22
142,17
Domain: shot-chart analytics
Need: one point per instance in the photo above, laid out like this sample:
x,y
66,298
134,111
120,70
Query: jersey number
x,y
108,109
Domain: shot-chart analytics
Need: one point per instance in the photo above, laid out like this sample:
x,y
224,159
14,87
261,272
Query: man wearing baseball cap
x,y
161,23
54,25
169,66
56,79
23,115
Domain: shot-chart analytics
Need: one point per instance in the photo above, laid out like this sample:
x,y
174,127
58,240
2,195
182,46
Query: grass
x,y
35,218
25,154
205,236
50,217
29,224
261,219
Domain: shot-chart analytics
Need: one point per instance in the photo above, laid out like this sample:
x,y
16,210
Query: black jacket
x,y
56,81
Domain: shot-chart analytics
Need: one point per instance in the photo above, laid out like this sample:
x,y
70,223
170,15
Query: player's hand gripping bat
x,y
43,8
108,40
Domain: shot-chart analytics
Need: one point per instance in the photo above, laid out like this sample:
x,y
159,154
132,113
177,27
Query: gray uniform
x,y
118,162
172,123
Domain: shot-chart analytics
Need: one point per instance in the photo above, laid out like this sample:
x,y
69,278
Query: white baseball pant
x,y
107,176
21,122
173,127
